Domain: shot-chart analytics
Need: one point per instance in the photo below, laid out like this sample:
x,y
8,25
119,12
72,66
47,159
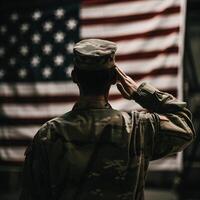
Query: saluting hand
x,y
125,84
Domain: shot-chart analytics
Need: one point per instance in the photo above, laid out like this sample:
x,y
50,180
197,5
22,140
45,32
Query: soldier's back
x,y
90,156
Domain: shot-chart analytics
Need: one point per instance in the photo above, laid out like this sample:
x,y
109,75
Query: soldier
x,y
96,152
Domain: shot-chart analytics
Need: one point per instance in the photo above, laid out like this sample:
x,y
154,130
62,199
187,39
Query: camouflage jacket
x,y
96,152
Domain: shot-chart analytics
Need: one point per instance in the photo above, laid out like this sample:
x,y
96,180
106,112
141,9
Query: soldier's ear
x,y
74,76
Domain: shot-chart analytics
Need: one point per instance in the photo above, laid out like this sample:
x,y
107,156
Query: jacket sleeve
x,y
35,184
166,127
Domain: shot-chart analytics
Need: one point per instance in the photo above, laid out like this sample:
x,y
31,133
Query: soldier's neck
x,y
93,98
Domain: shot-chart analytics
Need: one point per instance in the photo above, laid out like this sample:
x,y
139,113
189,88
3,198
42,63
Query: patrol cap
x,y
94,54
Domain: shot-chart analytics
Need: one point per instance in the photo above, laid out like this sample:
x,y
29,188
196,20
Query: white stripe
x,y
144,45
18,132
67,88
39,110
147,65
126,8
160,82
12,154
110,30
39,89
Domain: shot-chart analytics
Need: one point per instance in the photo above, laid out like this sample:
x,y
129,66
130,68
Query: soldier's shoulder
x,y
49,130
138,116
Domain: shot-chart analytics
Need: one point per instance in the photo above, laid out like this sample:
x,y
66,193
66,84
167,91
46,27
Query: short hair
x,y
95,82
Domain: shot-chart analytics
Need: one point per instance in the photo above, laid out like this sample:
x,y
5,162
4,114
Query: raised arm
x,y
167,125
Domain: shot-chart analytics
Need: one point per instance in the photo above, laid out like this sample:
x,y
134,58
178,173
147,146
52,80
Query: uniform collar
x,y
91,103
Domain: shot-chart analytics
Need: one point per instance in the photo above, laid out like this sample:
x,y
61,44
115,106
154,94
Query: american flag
x,y
36,46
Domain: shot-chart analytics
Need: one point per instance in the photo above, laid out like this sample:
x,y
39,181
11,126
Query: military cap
x,y
94,54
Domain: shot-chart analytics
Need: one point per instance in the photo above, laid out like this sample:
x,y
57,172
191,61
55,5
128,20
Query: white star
x,y
14,17
47,71
71,24
24,50
59,13
59,36
47,49
12,61
3,29
22,73
36,38
48,26
58,60
37,15
70,47
2,73
24,28
68,70
13,39
2,51
35,61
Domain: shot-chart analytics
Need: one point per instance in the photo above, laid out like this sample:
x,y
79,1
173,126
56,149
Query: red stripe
x,y
14,142
147,55
15,121
100,2
5,163
129,18
73,98
150,34
39,99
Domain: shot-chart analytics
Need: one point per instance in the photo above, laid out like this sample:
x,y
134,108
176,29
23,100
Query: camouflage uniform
x,y
95,152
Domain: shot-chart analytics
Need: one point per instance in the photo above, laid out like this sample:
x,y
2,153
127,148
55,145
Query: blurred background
x,y
158,42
